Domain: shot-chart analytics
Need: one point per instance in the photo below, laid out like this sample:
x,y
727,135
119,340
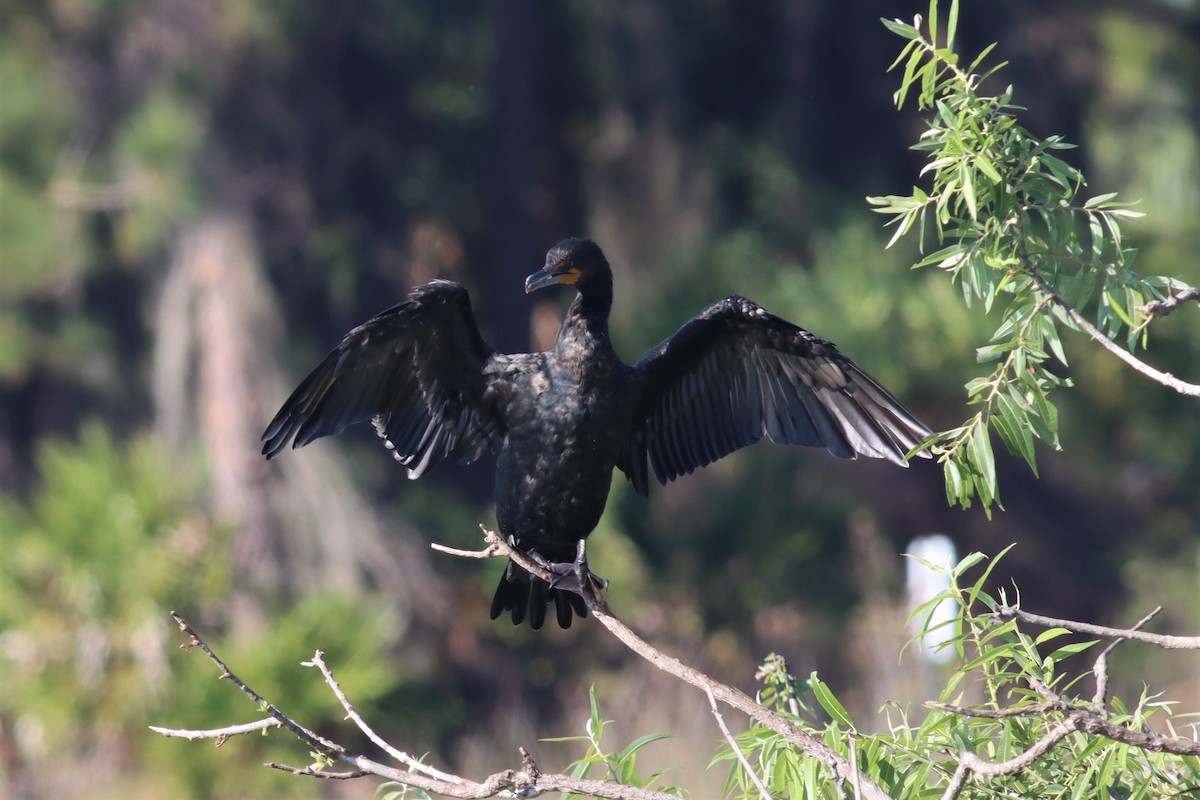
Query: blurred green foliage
x,y
109,543
37,112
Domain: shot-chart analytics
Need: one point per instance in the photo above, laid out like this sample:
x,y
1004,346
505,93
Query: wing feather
x,y
418,371
736,373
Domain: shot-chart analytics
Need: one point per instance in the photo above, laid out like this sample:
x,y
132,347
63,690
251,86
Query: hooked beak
x,y
550,275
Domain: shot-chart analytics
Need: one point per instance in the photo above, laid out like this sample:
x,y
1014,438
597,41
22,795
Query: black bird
x,y
563,419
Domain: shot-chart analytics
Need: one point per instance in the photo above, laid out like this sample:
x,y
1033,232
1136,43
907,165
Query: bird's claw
x,y
571,576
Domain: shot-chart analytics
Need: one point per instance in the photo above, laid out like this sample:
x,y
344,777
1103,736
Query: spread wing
x,y
415,370
736,372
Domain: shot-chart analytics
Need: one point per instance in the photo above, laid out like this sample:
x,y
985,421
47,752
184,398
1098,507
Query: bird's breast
x,y
565,429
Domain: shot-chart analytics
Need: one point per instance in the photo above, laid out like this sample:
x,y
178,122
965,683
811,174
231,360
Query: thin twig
x,y
318,661
854,769
1162,640
992,713
1161,308
737,751
1165,378
299,730
487,552
222,735
1100,668
315,773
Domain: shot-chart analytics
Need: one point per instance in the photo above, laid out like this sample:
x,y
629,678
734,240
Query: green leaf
x,y
597,719
1052,633
988,169
1111,299
968,190
1099,200
980,449
978,585
939,568
900,29
906,80
967,561
1016,430
1050,334
993,352
954,481
904,51
830,703
1071,649
640,742
982,55
946,258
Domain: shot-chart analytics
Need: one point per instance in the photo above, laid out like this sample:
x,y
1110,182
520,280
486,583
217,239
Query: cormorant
x,y
562,419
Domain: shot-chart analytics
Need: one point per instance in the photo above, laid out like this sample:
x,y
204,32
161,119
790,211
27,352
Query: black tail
x,y
523,594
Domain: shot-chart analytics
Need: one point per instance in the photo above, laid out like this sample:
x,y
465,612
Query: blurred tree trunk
x,y
517,138
648,191
300,524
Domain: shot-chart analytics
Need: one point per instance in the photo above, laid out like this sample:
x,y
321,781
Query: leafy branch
x,y
1035,733
1012,224
621,766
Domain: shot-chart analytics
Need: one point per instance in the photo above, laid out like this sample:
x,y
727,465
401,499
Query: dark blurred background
x,y
199,197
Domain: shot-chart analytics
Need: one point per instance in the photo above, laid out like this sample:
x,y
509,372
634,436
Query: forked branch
x,y
528,781
1165,378
1089,718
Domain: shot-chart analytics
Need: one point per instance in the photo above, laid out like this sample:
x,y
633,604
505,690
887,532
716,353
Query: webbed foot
x,y
571,576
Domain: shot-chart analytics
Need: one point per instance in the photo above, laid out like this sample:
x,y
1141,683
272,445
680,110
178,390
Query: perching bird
x,y
563,419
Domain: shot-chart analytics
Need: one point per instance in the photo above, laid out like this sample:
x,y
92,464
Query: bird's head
x,y
572,261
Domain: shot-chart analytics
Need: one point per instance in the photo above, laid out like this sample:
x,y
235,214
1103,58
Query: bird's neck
x,y
586,323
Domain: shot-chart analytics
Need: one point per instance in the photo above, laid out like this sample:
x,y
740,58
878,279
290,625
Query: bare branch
x,y
1023,761
1165,378
300,731
1161,308
1100,668
222,735
352,714
529,782
957,782
1074,719
799,738
992,713
737,751
1095,723
314,773
855,774
491,551
1162,640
